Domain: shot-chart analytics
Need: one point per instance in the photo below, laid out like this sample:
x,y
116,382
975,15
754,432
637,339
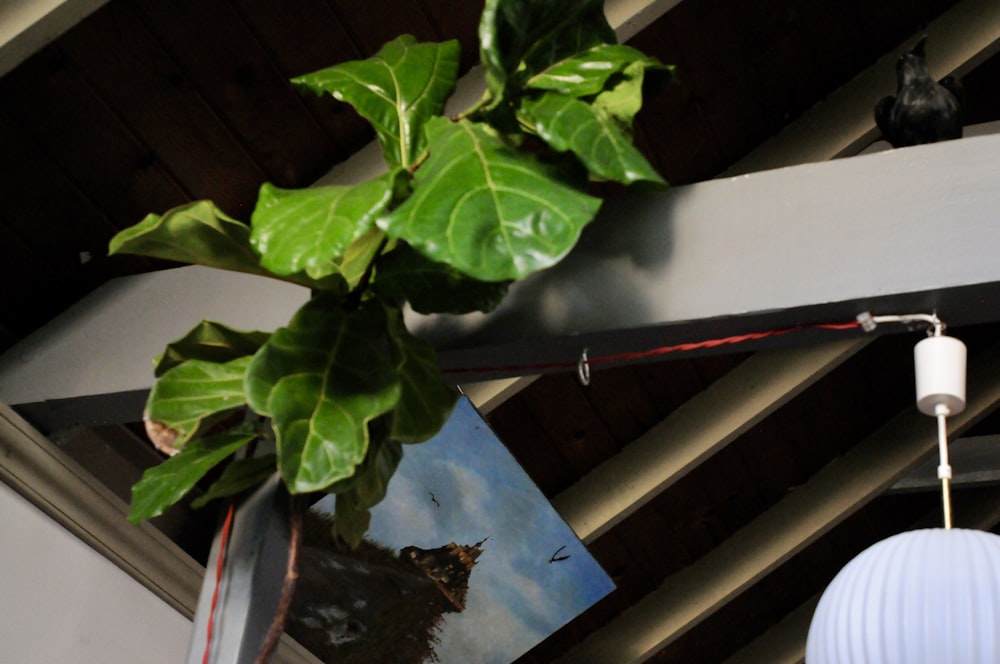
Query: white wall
x,y
61,601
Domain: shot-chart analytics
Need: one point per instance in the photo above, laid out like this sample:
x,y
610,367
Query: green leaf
x,y
237,477
623,99
350,519
432,287
519,38
426,401
194,394
371,480
163,485
310,230
366,488
587,73
566,123
322,379
202,234
359,256
396,90
210,341
487,210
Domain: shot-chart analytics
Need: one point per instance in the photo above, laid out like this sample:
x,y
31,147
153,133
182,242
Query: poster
x,y
463,522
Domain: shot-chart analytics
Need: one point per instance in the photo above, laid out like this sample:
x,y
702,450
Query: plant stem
x,y
295,507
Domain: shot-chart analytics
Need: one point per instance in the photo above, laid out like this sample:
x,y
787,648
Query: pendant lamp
x,y
927,596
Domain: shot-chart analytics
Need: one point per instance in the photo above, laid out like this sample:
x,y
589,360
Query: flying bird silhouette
x,y
555,557
923,110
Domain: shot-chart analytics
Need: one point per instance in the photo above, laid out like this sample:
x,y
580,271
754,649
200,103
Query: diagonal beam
x,y
28,25
785,643
695,431
843,124
829,497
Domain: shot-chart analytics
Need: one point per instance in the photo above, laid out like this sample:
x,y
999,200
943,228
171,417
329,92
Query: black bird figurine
x,y
923,110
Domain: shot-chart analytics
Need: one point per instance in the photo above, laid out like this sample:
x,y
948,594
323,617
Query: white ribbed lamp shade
x,y
920,597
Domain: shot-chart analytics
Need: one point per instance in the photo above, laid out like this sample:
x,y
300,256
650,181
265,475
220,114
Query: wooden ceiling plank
x,y
569,422
148,91
785,643
829,497
695,431
286,142
106,161
304,36
35,195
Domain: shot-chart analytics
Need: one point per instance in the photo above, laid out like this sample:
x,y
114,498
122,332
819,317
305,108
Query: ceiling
x,y
769,468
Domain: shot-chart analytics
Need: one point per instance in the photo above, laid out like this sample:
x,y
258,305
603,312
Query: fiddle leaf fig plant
x,y
467,205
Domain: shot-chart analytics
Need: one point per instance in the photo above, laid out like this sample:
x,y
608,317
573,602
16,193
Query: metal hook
x,y
583,369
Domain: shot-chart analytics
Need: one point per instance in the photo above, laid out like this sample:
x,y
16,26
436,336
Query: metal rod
x,y
944,469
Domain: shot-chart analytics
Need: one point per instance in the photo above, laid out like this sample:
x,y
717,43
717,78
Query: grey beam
x,y
830,496
901,230
894,232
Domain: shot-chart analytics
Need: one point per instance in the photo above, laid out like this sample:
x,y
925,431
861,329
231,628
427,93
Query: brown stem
x,y
287,587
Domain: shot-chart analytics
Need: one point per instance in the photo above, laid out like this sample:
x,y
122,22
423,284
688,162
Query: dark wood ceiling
x,y
149,103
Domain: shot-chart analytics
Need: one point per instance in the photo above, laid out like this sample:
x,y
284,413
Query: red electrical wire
x,y
226,527
653,352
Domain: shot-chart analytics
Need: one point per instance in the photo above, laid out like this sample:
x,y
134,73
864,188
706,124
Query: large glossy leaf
x,y
426,401
432,287
310,230
366,489
202,234
322,379
566,123
210,341
239,476
396,90
163,485
194,394
492,212
623,99
359,255
587,73
519,38
350,518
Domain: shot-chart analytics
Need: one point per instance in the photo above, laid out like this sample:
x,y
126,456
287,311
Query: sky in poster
x,y
464,486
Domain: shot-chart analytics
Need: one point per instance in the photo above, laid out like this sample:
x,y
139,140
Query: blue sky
x,y
516,596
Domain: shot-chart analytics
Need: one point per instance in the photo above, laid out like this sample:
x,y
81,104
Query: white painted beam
x,y
695,431
28,25
844,122
975,461
829,497
46,477
39,471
